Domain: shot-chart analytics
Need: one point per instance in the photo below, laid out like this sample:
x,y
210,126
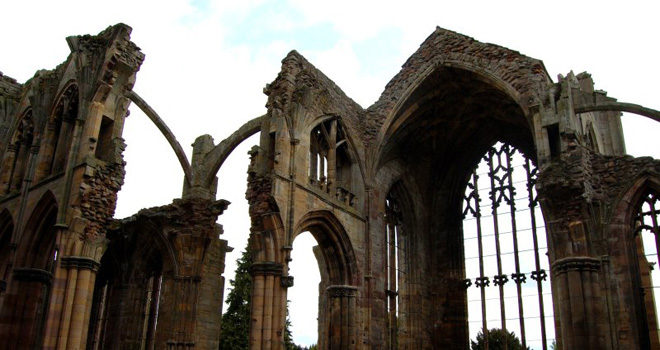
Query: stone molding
x,y
266,268
33,275
79,262
338,291
286,281
578,263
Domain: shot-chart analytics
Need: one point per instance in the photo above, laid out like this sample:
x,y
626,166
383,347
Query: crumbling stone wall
x,y
160,271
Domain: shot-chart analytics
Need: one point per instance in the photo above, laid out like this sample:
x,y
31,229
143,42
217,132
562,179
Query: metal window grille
x,y
647,238
505,246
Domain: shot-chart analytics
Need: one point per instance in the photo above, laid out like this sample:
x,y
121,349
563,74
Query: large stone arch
x,y
448,112
521,78
339,278
335,245
30,286
622,234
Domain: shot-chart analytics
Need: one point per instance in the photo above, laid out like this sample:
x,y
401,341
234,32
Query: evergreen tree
x,y
235,330
496,339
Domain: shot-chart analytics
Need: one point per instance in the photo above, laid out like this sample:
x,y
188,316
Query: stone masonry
x,y
72,277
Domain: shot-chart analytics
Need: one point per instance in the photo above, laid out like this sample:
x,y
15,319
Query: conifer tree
x,y
235,330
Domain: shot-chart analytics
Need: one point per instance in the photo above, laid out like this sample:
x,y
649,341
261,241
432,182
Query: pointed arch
x,y
37,242
335,245
6,232
59,133
16,155
626,234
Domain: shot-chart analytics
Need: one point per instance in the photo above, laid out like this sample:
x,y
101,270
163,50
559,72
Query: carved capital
x,y
79,263
33,275
266,268
338,291
579,263
286,281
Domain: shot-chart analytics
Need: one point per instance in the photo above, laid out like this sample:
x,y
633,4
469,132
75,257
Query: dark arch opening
x,y
127,292
25,305
435,139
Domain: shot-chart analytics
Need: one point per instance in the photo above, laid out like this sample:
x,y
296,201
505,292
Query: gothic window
x,y
392,220
505,250
647,242
16,156
60,127
331,167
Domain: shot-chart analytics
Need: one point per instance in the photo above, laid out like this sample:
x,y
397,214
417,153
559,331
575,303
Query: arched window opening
x,y
505,251
62,123
305,307
104,146
6,230
126,297
331,167
647,240
16,157
394,272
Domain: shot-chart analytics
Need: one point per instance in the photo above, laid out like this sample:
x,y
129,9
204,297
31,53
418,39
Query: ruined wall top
x,y
294,83
526,78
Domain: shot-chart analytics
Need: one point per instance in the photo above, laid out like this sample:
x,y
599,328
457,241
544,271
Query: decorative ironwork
x,y
500,280
481,282
509,172
519,278
539,275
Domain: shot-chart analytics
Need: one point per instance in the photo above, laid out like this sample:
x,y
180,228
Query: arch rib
x,y
219,153
160,124
620,107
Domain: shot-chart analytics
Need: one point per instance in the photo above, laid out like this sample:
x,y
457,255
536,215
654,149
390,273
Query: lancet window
x,y
330,164
506,266
647,238
16,157
393,224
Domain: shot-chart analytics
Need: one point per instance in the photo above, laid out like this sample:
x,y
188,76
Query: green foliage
x,y
554,346
496,340
235,330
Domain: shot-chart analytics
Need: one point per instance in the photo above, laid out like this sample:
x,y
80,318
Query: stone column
x,y
581,310
342,304
8,164
266,297
23,313
71,303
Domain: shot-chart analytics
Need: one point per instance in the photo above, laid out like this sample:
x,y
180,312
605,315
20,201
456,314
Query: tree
x,y
496,339
235,331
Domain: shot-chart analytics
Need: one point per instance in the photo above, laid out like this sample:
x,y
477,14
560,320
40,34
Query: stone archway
x,y
337,264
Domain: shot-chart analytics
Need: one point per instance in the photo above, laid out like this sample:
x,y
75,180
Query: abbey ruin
x,y
387,192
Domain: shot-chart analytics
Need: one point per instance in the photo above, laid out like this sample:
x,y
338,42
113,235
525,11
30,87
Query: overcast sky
x,y
207,63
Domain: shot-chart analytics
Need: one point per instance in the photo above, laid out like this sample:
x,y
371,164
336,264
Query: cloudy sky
x,y
207,63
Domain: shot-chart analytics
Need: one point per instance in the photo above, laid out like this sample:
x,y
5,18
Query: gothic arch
x,y
38,240
6,232
625,240
30,288
337,306
335,245
623,213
